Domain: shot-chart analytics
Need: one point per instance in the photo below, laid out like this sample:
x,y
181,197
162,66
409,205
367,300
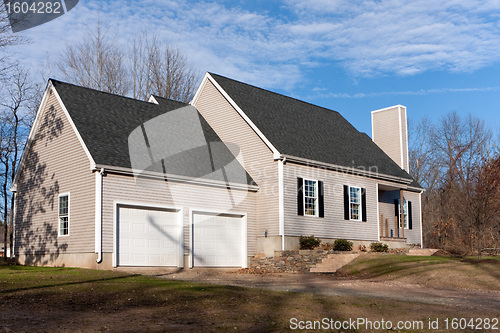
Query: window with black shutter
x,y
310,197
355,203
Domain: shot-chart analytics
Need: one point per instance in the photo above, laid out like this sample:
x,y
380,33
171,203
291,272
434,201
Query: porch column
x,y
402,214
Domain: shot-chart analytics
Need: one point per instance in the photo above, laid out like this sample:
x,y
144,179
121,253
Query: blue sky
x,y
350,56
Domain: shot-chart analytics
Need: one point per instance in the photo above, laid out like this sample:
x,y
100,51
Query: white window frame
x,y
59,216
316,198
360,214
406,215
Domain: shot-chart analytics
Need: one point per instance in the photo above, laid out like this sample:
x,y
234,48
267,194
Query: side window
x,y
310,197
407,213
64,215
354,203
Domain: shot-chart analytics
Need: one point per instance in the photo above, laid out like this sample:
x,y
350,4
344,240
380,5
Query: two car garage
x,y
151,236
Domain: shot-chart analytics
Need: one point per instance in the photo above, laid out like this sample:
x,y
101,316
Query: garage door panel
x,y
147,237
217,240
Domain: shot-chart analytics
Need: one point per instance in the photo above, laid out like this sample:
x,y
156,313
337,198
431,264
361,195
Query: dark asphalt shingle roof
x,y
105,122
308,131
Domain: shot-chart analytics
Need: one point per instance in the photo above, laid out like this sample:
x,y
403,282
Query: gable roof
x,y
308,131
105,122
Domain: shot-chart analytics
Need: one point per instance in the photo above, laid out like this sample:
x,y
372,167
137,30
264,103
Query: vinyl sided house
x,y
110,181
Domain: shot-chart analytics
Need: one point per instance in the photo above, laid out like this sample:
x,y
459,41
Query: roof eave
x,y
175,178
348,170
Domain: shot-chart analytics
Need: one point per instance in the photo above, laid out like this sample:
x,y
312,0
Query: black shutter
x,y
396,209
346,202
410,220
300,196
321,199
363,204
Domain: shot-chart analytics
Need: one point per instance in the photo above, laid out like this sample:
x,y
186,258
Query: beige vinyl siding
x,y
386,132
186,196
56,163
404,131
388,211
333,224
257,158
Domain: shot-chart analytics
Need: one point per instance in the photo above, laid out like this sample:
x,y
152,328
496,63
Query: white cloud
x,y
404,92
403,37
272,49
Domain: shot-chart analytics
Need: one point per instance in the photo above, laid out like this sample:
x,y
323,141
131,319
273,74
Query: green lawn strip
x,y
434,271
372,266
15,278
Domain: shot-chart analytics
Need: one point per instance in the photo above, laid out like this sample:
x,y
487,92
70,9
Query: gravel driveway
x,y
327,284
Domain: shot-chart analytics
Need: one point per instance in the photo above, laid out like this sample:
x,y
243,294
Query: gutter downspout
x,y
421,222
13,225
281,204
98,214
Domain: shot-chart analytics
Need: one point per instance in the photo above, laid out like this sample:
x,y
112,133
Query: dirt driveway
x,y
331,285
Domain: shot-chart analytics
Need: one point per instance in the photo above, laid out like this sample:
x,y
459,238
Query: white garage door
x,y
148,237
218,240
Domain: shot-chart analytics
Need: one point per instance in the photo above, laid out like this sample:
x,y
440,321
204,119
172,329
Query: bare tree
x,y
7,38
20,97
148,66
422,153
450,160
159,69
96,62
483,205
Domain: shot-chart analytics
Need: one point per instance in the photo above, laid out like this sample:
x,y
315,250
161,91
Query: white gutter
x,y
421,230
13,226
281,202
349,170
176,178
378,213
98,214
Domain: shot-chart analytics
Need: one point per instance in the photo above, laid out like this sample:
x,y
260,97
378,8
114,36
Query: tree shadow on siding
x,y
38,188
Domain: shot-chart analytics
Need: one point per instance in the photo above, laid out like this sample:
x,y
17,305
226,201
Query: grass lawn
x,y
34,299
432,271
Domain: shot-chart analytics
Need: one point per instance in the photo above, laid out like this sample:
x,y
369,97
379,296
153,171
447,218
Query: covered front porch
x,y
391,213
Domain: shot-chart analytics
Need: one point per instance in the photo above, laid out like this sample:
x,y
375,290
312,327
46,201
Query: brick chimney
x,y
390,133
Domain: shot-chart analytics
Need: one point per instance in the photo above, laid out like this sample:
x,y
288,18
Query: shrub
x,y
379,247
308,242
342,245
